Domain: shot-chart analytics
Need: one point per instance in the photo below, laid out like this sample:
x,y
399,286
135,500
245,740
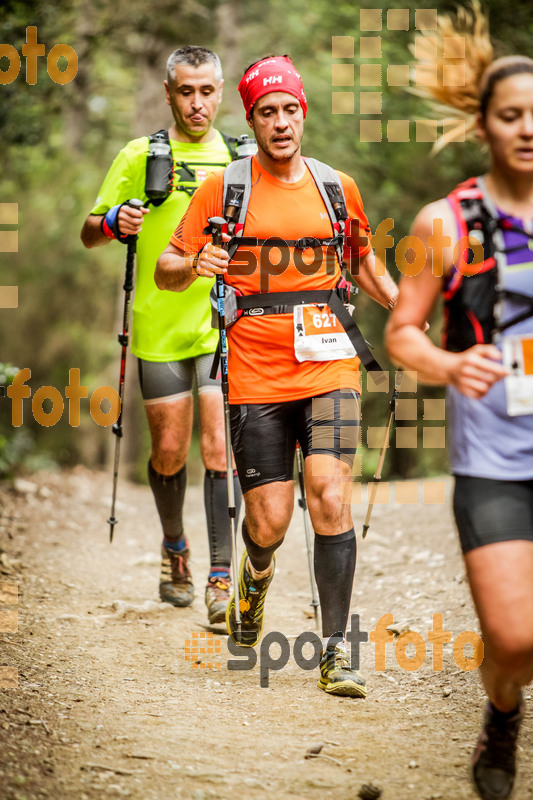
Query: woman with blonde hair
x,y
486,360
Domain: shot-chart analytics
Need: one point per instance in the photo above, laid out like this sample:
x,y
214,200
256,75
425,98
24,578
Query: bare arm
x,y
473,371
129,221
176,270
374,279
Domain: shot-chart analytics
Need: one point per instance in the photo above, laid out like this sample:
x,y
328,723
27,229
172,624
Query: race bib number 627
x,y
318,335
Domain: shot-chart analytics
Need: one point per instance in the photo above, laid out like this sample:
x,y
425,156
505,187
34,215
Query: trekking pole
x,y
381,459
302,502
123,341
217,223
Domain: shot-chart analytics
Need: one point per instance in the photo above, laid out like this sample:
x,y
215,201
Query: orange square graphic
x,y
408,380
374,382
425,47
342,74
454,75
356,494
398,130
370,19
8,620
342,103
398,75
435,409
370,47
426,75
426,130
342,46
9,213
370,103
375,437
407,492
434,438
357,469
370,75
406,437
9,678
459,126
406,409
433,492
9,593
370,130
453,47
9,241
426,19
379,491
398,19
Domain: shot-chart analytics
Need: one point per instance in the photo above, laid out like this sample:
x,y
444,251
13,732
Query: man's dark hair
x,y
272,55
193,56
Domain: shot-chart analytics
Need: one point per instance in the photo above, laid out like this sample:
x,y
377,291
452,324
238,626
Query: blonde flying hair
x,y
469,62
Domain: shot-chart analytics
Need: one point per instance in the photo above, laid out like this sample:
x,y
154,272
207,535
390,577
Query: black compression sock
x,y
169,493
334,562
503,716
216,511
260,557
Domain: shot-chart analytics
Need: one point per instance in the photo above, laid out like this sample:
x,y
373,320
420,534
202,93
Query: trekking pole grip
x,y
216,226
132,247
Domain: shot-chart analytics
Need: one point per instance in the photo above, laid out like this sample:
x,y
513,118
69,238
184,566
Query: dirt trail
x,y
107,706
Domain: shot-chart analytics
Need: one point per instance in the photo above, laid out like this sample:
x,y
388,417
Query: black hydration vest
x,y
473,297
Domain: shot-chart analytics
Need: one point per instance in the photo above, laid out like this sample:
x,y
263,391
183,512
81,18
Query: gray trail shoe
x,y
175,581
217,594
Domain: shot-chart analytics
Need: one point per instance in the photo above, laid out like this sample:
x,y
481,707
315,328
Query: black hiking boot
x,y
493,763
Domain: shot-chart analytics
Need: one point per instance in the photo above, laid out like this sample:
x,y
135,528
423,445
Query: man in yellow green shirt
x,y
171,333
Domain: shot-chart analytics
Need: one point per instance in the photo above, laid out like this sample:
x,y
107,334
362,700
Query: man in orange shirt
x,y
282,387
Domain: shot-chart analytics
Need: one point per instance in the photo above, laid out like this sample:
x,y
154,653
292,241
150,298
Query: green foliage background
x,y
58,141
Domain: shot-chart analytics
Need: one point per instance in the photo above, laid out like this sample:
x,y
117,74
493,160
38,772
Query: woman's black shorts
x,y
488,511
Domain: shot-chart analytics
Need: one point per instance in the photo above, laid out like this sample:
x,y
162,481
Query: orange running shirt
x,y
262,365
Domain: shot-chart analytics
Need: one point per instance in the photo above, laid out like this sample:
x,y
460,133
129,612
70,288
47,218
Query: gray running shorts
x,y
163,381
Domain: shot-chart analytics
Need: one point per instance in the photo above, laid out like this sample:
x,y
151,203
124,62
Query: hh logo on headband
x,y
272,79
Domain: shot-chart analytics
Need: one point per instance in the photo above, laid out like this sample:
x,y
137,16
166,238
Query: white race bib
x,y
518,358
318,334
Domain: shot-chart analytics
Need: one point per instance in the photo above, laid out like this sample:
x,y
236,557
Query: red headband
x,y
271,75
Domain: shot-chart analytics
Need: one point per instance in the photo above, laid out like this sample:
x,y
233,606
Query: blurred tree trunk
x,y
229,52
77,92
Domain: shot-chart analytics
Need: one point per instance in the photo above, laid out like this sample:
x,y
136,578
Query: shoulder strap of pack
x,y
236,196
474,215
230,142
330,187
238,187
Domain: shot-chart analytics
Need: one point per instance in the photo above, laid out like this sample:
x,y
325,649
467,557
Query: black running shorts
x,y
488,511
264,435
170,380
